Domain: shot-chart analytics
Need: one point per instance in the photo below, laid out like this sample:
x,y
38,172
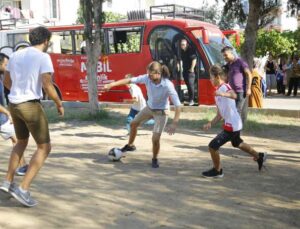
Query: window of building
x,y
109,3
53,8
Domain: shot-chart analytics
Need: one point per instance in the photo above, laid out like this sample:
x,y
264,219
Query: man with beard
x,y
27,72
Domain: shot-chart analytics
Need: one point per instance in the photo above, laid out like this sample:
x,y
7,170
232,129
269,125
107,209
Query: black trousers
x,y
189,79
293,84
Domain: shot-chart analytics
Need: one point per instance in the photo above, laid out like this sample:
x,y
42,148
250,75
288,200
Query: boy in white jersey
x,y
138,103
225,101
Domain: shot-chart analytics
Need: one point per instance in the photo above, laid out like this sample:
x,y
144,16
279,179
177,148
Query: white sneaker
x,y
191,103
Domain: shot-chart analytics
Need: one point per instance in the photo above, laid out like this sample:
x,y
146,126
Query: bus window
x,y
62,43
163,43
214,47
80,42
15,38
124,40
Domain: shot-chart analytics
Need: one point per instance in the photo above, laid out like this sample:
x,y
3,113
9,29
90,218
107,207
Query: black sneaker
x,y
213,173
128,148
262,157
155,163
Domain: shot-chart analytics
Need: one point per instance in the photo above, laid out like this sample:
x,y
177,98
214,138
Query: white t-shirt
x,y
25,68
228,110
136,92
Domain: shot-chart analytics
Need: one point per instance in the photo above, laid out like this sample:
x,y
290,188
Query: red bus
x,y
128,47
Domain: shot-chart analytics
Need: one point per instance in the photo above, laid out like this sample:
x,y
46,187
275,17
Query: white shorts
x,y
7,130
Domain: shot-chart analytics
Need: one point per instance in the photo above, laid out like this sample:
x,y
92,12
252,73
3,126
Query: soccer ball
x,y
115,154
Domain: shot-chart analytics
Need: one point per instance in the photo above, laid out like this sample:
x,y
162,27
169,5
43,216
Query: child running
x,y
225,101
159,89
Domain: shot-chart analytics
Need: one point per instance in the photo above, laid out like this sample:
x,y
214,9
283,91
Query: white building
x,y
283,21
64,12
118,6
55,12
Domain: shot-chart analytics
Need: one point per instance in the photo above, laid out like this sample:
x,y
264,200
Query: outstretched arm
x,y
117,83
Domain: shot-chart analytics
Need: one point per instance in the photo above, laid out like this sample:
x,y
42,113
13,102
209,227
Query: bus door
x,y
165,47
125,56
163,43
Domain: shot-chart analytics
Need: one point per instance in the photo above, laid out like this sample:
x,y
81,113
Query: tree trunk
x,y
92,12
248,49
92,61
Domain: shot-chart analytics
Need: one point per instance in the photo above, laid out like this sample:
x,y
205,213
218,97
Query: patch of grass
x,y
193,121
104,117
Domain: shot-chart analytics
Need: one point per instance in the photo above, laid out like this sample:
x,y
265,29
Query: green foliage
x,y
232,40
227,21
274,42
293,36
107,16
113,17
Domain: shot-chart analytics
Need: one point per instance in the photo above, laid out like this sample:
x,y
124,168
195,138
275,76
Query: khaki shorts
x,y
160,117
29,117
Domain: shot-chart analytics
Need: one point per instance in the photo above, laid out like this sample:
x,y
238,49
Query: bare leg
x,y
133,132
155,144
22,160
248,149
35,164
15,158
215,156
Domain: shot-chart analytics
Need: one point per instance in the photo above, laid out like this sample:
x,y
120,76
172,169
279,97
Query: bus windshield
x,y
213,49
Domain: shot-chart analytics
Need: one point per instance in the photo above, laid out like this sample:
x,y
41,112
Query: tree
x,y
260,13
275,43
211,13
93,20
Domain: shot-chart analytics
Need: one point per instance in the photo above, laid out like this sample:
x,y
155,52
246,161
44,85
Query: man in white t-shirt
x,y
225,101
138,103
27,72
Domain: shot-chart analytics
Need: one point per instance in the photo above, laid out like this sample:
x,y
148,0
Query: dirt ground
x,y
79,188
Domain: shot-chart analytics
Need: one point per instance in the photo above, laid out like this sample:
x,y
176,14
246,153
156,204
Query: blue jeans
x,y
131,116
242,105
1,93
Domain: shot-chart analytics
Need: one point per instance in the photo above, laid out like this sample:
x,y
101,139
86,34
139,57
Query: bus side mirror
x,y
205,37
